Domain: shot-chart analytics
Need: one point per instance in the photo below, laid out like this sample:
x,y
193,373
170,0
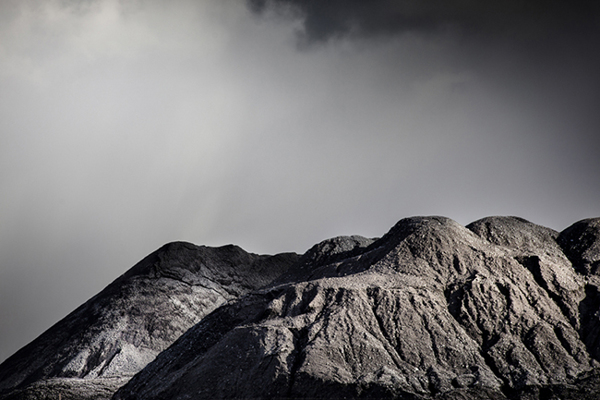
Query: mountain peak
x,y
502,308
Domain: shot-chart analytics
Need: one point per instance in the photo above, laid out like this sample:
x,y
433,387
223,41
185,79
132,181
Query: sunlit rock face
x,y
499,309
102,344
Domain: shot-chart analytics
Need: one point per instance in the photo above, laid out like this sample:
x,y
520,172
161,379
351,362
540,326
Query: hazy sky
x,y
128,124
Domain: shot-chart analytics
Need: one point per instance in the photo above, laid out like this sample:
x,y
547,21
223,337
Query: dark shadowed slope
x,y
502,308
98,347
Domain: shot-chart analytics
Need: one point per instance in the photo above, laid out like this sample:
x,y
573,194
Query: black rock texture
x,y
502,308
102,344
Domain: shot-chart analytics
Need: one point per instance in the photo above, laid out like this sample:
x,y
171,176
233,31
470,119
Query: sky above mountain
x,y
275,124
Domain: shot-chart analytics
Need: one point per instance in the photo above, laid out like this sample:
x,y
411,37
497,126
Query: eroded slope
x,y
432,309
97,348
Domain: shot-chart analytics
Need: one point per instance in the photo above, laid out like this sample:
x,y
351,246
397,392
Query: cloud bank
x,y
522,21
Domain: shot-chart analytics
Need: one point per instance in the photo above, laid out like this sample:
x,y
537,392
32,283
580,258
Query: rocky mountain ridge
x,y
102,344
501,308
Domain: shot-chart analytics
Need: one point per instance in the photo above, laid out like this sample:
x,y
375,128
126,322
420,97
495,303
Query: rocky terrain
x,y
102,344
499,309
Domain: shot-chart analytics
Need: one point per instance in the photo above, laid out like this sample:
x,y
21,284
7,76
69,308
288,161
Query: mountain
x,y
502,308
102,344
499,309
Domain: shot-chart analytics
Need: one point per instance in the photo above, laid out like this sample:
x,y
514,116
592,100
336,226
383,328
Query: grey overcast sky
x,y
127,124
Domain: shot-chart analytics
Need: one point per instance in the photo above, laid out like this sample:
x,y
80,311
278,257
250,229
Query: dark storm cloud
x,y
527,20
540,54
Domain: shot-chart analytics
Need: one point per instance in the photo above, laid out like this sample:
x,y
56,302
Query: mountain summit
x,y
499,309
103,343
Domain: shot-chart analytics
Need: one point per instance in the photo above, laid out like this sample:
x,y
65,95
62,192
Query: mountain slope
x,y
502,308
99,346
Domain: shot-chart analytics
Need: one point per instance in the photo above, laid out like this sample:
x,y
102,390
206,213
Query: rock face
x,y
499,309
502,308
98,347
